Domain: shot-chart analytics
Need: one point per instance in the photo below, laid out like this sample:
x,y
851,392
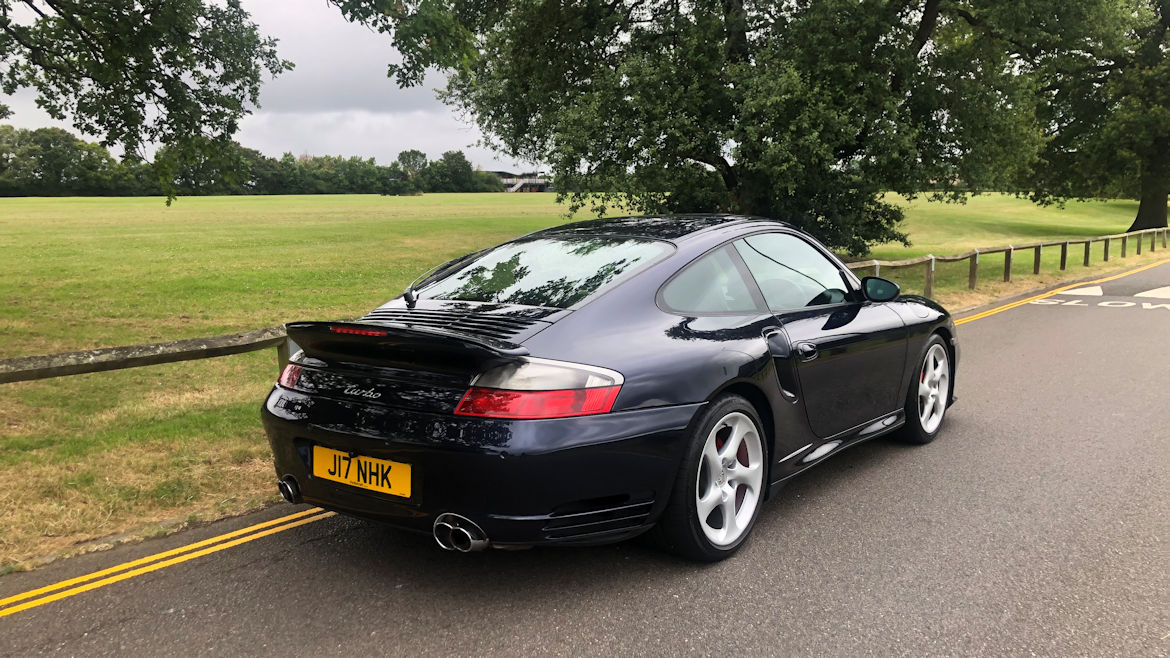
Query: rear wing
x,y
400,346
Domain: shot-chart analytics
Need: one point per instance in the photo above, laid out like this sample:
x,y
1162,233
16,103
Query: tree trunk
x,y
1155,190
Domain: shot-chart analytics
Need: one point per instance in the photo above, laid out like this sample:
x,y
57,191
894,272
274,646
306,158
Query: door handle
x,y
806,351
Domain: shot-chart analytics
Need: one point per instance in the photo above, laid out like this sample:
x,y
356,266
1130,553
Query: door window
x,y
791,272
711,284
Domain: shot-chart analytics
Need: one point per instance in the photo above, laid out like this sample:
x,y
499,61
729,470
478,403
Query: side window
x,y
790,272
711,284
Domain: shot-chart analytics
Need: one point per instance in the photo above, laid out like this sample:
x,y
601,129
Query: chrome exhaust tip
x,y
442,533
453,532
289,490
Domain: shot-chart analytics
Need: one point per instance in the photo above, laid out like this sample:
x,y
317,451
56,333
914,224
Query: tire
x,y
930,390
724,473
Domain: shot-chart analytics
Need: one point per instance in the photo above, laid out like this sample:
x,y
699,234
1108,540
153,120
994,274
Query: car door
x,y
848,353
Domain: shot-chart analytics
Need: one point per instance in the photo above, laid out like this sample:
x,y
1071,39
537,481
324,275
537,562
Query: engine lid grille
x,y
501,327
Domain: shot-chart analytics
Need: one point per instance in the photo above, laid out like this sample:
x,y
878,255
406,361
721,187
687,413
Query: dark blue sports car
x,y
589,382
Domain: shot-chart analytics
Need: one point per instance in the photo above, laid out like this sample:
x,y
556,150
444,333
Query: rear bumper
x,y
584,480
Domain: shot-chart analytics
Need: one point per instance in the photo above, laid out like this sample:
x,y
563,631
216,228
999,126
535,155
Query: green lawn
x,y
996,220
86,272
93,455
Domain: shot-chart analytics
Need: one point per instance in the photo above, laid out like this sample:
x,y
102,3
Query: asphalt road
x,y
1039,523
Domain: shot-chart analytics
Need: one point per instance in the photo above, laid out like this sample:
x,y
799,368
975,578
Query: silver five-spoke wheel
x,y
730,479
933,388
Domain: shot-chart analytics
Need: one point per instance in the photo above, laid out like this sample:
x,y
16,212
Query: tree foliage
x,y
180,73
1107,112
805,111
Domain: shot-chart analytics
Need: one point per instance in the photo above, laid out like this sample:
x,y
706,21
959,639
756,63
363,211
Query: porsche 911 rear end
x,y
465,436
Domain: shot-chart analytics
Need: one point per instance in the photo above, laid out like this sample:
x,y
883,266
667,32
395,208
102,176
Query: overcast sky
x,y
338,100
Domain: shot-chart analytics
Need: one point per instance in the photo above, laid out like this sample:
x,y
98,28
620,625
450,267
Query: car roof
x,y
657,227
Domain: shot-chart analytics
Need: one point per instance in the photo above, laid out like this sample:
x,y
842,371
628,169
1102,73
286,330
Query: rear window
x,y
557,272
711,284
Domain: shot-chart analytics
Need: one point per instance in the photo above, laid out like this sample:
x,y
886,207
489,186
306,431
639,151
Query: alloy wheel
x,y
730,479
933,388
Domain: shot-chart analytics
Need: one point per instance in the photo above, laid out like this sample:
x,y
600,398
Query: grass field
x,y
93,455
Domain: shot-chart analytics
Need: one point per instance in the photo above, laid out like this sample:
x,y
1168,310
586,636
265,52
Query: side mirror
x,y
877,289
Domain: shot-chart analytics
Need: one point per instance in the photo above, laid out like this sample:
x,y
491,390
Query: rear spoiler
x,y
397,345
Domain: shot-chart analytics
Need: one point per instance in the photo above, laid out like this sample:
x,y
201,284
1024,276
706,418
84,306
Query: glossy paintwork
x,y
852,372
513,475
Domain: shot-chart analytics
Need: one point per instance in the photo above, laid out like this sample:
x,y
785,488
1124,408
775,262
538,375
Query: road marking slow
x,y
153,563
1056,291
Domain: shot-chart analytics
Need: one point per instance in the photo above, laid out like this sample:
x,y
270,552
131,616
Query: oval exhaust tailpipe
x,y
289,490
442,532
458,533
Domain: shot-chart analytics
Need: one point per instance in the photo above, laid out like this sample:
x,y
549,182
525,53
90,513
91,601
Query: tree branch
x,y
721,165
1031,51
925,26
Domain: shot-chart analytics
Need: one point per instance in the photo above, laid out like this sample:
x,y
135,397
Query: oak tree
x,y
1107,113
807,111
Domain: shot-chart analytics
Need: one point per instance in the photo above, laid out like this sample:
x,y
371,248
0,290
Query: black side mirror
x,y
877,289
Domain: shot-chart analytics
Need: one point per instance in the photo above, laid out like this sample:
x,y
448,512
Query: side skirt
x,y
805,458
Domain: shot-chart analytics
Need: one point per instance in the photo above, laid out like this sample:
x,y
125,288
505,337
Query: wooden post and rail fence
x,y
929,261
116,358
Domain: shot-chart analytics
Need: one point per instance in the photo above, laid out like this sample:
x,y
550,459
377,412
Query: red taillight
x,y
288,378
500,403
356,331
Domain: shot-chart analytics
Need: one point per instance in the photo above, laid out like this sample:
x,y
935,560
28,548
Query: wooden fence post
x,y
1064,256
1007,263
1107,241
1124,242
1138,246
1164,238
1153,237
1088,245
1036,260
973,273
281,355
929,287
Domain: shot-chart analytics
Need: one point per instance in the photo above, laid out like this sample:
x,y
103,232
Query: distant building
x,y
532,181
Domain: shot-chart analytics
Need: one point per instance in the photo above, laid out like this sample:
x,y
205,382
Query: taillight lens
x,y
496,403
289,376
541,388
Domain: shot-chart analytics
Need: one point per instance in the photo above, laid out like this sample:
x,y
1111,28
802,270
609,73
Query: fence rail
x,y
1009,253
30,368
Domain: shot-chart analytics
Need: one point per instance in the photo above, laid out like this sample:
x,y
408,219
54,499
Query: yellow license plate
x,y
370,473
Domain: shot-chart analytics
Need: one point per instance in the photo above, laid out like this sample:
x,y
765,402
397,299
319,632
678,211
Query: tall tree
x,y
1108,113
181,72
806,111
413,162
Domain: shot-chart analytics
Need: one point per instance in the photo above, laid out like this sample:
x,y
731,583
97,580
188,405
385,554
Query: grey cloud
x,y
339,65
367,134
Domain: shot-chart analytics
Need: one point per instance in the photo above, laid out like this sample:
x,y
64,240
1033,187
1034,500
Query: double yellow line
x,y
92,581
